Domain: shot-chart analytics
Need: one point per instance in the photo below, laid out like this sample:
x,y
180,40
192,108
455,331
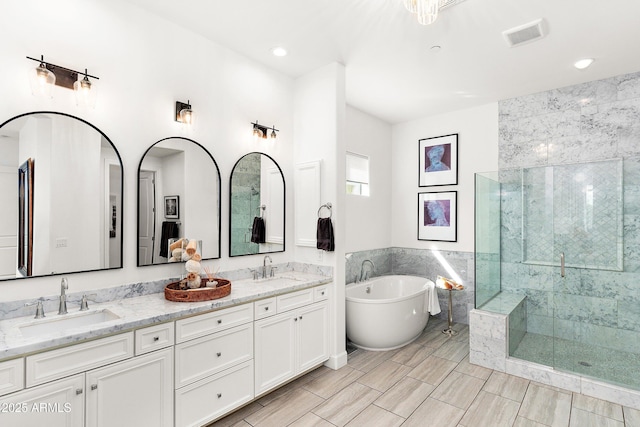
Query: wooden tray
x,y
172,292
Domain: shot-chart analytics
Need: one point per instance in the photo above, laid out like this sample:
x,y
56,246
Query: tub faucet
x,y
64,285
264,265
363,273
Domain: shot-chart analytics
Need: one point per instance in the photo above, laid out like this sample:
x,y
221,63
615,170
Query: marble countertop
x,y
144,311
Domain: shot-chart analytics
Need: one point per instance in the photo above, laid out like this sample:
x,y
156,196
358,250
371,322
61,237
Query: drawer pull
x,y
156,339
218,354
78,391
295,319
219,321
94,386
266,309
322,293
219,395
300,317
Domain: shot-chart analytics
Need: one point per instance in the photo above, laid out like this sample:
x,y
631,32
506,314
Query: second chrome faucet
x,y
64,285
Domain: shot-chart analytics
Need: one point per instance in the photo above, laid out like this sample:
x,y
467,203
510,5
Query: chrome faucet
x,y
363,273
264,265
64,285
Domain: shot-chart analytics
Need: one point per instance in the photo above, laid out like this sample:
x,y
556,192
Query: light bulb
x,y
85,91
42,81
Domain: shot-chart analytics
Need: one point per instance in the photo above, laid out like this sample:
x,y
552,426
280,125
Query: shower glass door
x,y
572,242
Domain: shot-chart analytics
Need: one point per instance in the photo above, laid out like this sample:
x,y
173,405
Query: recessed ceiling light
x,y
583,63
279,51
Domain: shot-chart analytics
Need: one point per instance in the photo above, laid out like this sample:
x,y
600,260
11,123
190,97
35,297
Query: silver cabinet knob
x,y
78,391
219,321
219,395
156,339
266,309
94,386
218,354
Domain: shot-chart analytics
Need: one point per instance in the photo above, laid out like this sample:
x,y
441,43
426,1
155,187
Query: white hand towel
x,y
431,303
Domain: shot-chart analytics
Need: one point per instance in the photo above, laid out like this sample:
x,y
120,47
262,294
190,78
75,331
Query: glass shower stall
x,y
565,241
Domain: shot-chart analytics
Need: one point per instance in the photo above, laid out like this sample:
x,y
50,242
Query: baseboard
x,y
337,361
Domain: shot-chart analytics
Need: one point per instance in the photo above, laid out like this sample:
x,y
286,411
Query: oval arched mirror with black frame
x,y
178,196
61,182
257,206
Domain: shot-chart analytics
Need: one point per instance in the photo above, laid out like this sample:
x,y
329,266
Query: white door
x,y
146,217
312,336
9,223
55,404
274,356
137,392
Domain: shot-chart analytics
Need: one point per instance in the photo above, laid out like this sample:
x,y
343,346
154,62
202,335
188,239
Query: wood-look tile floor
x,y
427,383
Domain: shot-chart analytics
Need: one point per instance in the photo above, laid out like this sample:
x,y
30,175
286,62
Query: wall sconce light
x,y
184,113
46,75
260,131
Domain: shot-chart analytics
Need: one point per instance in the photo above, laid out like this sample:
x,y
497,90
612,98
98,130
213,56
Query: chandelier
x,y
427,10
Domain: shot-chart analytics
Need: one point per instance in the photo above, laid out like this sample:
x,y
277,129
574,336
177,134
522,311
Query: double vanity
x,y
146,361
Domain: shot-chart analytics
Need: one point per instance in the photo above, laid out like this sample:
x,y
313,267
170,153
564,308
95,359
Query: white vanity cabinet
x,y
293,341
214,364
11,376
56,404
137,392
94,383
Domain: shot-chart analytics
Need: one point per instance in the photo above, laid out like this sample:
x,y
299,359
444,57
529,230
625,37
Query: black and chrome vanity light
x,y
260,131
184,113
46,75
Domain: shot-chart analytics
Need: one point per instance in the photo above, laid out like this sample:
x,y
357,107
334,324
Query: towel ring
x,y
328,206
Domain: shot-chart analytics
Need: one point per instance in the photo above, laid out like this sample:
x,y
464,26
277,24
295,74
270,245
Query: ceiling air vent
x,y
524,33
446,3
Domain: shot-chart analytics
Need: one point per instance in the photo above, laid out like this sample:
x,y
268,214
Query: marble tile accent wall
x,y
423,263
584,123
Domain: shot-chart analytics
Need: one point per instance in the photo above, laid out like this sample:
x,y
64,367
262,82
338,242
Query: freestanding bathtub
x,y
389,312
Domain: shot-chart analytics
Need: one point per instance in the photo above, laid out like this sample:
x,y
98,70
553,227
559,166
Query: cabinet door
x,y
137,392
274,351
56,404
312,336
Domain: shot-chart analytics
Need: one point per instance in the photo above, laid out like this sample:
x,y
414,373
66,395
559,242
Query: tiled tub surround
x,y
144,304
422,263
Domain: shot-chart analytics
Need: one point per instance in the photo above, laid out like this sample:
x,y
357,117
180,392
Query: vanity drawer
x,y
11,376
154,338
205,324
320,293
264,308
54,364
210,398
294,300
208,355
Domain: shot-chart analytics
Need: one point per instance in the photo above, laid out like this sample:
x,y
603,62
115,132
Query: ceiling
x,y
393,73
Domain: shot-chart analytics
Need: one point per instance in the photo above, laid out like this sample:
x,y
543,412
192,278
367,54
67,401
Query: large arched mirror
x,y
257,219
61,183
178,196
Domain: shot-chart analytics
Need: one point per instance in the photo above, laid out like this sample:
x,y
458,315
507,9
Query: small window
x,y
357,174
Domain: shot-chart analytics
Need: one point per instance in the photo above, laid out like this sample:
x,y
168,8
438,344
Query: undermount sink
x,y
64,322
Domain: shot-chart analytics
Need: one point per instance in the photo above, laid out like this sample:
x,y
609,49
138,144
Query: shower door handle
x,y
561,264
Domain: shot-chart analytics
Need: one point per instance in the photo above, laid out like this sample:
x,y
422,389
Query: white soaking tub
x,y
389,312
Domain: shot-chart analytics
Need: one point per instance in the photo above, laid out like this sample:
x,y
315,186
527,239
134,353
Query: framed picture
x,y
437,216
172,207
438,160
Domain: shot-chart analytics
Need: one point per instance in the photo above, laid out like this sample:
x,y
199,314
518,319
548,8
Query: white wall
x,y
145,65
477,130
368,218
319,134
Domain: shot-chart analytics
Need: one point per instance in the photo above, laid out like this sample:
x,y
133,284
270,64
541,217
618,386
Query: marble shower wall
x,y
578,124
423,263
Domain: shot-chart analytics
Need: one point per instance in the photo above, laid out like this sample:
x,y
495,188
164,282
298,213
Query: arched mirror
x,y
257,220
61,183
178,196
